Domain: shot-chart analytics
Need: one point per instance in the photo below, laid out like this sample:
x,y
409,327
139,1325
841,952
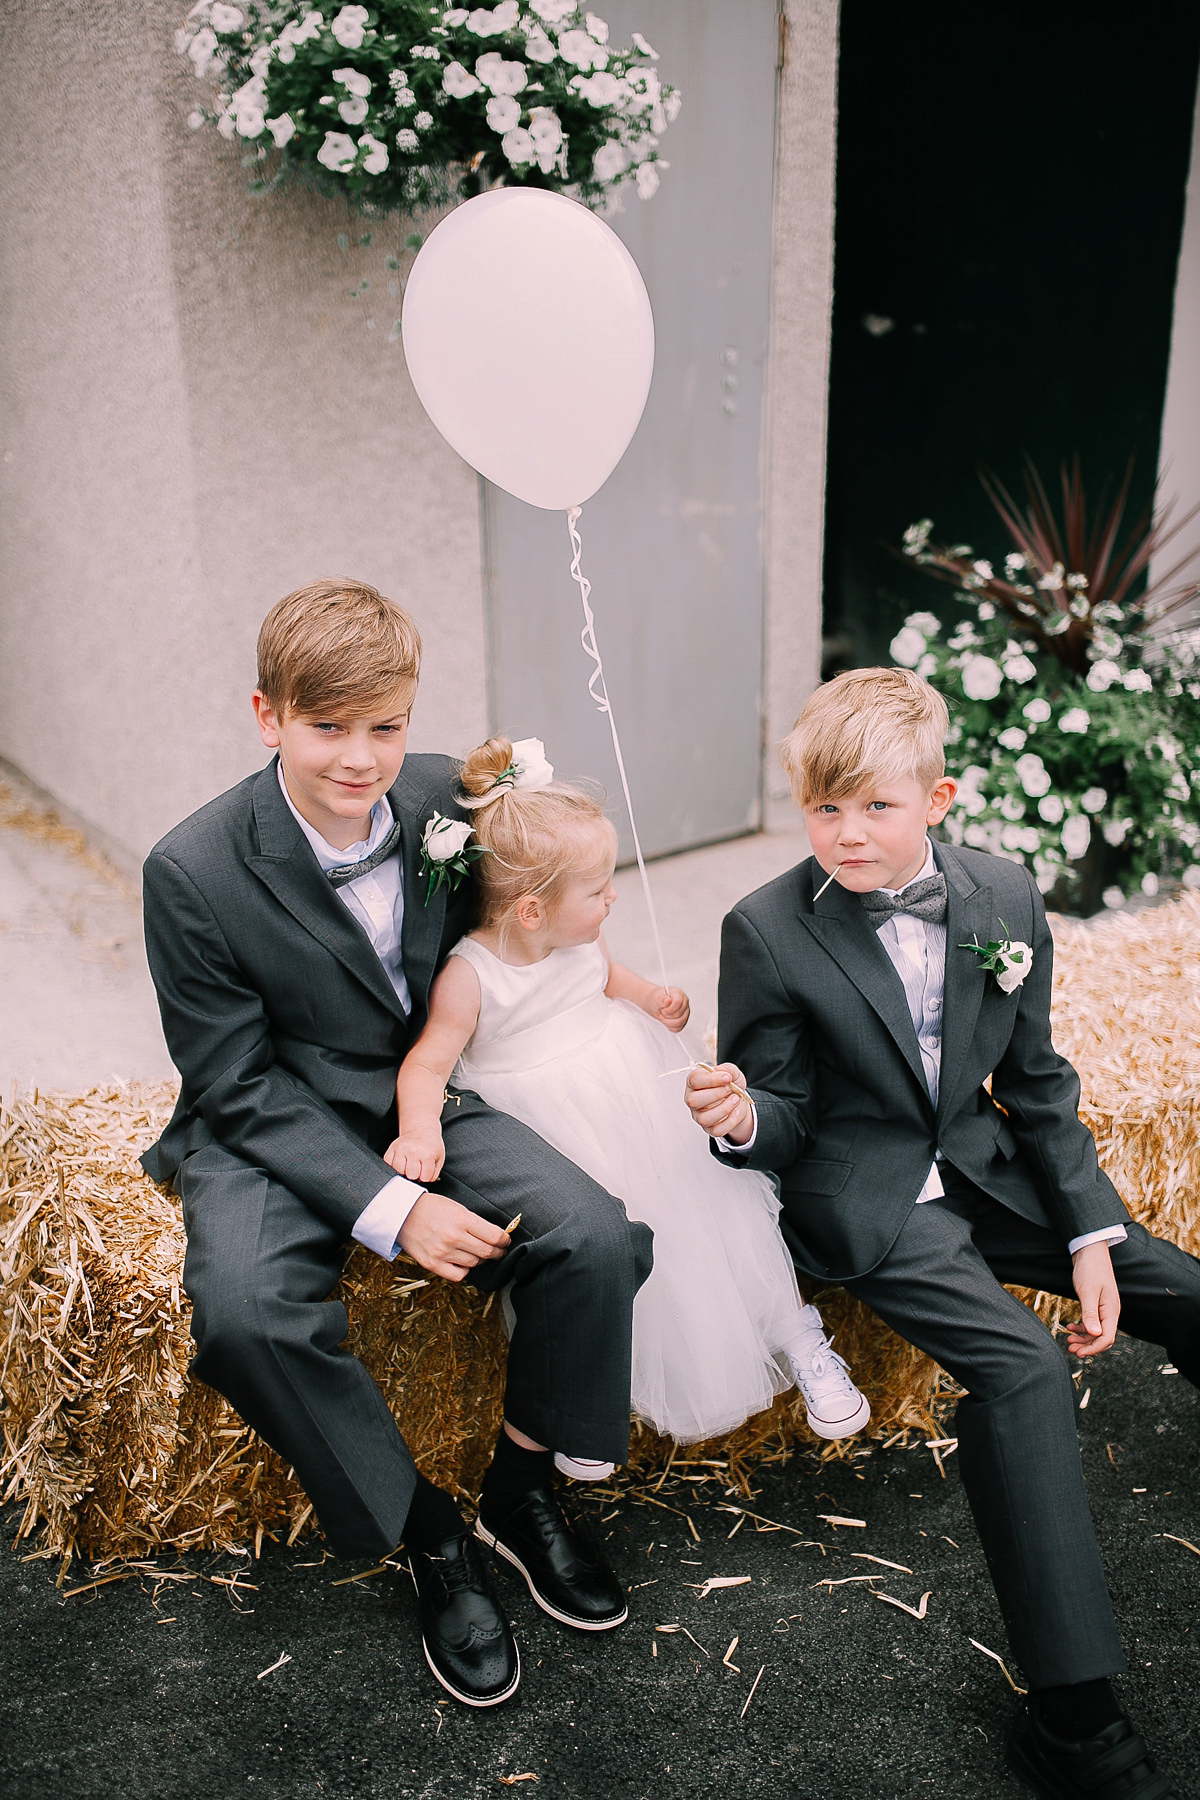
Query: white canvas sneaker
x,y
835,1407
579,1468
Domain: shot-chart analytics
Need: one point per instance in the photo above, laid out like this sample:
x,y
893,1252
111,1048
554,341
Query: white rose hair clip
x,y
528,769
1009,962
446,855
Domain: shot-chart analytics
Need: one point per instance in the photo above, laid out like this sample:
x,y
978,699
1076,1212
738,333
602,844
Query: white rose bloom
x,y
1037,711
538,47
1015,964
581,50
907,647
518,147
499,76
227,18
529,760
1076,836
444,838
1116,831
282,129
349,26
354,82
1137,682
1033,774
1102,674
377,157
407,140
1020,668
459,82
1076,721
647,187
925,622
1051,808
546,131
503,112
981,678
639,43
611,160
338,151
1012,739
352,112
1093,800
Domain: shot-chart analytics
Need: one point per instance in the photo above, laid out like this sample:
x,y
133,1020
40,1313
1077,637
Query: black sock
x,y
432,1518
513,1473
1079,1710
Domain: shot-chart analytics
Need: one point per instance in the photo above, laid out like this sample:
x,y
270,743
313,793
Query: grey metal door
x,y
673,541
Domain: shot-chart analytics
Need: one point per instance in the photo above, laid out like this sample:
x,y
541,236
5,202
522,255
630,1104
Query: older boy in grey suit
x,y
864,1023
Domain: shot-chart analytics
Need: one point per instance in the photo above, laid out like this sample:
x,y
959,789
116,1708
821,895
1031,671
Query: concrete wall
x,y
197,418
1179,457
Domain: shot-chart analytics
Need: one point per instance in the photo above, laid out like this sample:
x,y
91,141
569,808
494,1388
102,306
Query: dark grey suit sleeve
x,y
766,1035
217,1032
1039,1090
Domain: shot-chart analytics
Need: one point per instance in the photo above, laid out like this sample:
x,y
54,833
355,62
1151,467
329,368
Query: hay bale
x,y
116,1453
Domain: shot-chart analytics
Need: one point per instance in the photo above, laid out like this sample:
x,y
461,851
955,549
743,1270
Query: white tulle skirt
x,y
722,1300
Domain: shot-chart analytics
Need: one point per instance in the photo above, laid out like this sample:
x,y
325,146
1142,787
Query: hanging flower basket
x,y
410,103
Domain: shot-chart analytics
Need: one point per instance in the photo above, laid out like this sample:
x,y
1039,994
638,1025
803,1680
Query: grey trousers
x,y
940,1288
261,1265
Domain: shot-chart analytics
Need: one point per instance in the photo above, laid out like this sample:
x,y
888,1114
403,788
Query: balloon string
x,y
599,692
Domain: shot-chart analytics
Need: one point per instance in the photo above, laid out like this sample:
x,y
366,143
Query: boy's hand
x,y
448,1239
419,1155
671,1007
714,1104
1099,1301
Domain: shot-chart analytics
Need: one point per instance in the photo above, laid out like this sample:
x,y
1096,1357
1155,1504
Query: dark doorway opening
x,y
1010,191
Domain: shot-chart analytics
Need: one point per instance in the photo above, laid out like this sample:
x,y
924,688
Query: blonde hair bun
x,y
484,767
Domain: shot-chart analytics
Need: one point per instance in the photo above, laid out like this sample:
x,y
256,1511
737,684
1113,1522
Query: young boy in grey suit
x,y
293,931
866,1028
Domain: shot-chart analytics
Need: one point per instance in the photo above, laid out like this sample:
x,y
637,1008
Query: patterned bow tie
x,y
922,899
351,871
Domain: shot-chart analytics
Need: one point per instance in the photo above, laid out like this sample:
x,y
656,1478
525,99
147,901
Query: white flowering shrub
x,y
1085,768
408,103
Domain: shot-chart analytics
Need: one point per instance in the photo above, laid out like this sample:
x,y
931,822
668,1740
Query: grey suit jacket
x,y
814,1013
277,1012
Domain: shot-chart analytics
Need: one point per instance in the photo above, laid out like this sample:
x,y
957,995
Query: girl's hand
x,y
671,1007
716,1105
419,1155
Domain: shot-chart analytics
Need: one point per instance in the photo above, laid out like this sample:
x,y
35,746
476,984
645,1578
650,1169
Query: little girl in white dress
x,y
530,1014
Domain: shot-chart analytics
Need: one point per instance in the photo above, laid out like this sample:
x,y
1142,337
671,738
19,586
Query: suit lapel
x,y
842,928
968,916
289,869
421,935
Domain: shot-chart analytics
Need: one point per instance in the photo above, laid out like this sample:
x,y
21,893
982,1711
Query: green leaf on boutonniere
x,y
1008,961
446,855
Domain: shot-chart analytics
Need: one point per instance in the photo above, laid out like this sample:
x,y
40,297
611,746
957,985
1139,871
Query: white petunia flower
x,y
487,21
352,112
1019,668
581,50
538,47
545,129
377,154
981,678
600,89
349,26
552,11
195,120
639,43
1113,898
1012,739
407,140
1150,883
459,82
928,663
226,126
499,76
503,112
518,147
1051,808
597,27
611,160
1012,807
1032,774
647,187
226,18
250,122
1037,711
260,62
925,622
202,50
1137,681
1093,799
1031,839
1116,831
338,151
1075,720
454,17
354,82
282,129
1076,836
1102,674
908,646
1191,876
311,26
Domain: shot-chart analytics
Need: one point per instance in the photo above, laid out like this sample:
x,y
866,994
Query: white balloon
x,y
530,341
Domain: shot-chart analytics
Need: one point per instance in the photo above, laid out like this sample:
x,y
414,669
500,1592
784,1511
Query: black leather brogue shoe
x,y
467,1640
560,1560
1113,1765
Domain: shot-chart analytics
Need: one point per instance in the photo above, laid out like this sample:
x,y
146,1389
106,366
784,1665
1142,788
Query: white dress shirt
x,y
376,901
916,949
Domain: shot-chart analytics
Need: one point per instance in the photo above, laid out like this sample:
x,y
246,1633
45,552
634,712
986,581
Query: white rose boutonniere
x,y
1008,960
446,854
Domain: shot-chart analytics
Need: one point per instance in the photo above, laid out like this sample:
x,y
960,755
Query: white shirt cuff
x,y
1112,1234
728,1149
381,1221
933,1185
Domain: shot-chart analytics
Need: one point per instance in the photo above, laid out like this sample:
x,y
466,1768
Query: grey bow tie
x,y
351,871
922,899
